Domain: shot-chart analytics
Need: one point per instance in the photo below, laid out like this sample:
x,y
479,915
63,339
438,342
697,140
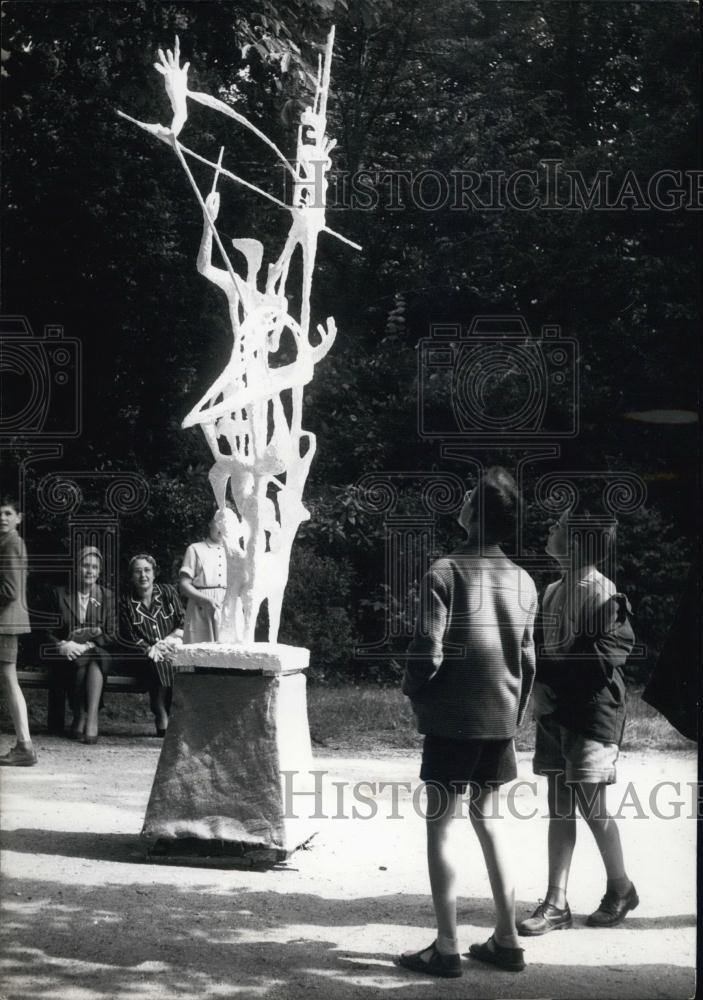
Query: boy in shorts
x,y
14,621
469,673
579,705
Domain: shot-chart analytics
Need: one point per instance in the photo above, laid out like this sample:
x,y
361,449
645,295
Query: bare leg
x,y
561,837
487,825
78,697
591,801
93,691
440,811
15,701
157,699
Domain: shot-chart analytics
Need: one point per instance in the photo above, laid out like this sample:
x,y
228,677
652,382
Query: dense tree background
x,y
101,233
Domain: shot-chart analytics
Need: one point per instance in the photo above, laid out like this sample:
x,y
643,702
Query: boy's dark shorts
x,y
452,764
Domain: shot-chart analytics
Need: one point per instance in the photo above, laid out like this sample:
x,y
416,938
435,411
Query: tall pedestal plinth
x,y
237,751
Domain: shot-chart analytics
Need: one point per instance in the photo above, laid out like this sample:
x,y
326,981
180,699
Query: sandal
x,y
509,959
446,966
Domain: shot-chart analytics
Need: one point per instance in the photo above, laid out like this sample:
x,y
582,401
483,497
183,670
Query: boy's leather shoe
x,y
19,757
510,959
546,918
613,908
437,964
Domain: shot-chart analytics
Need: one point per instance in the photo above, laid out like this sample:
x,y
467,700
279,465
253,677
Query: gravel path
x,y
86,917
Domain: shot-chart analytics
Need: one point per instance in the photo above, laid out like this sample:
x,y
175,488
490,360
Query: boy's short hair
x,y
496,503
594,527
9,500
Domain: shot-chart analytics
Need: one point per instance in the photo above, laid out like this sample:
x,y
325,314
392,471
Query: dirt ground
x,y
87,917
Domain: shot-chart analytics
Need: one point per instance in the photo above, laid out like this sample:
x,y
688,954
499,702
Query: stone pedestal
x,y
237,751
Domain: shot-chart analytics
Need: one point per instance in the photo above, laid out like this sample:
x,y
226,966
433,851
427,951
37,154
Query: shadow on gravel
x,y
123,847
131,849
655,923
115,941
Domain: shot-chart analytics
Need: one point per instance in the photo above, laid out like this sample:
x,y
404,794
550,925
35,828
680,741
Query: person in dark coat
x,y
82,641
579,707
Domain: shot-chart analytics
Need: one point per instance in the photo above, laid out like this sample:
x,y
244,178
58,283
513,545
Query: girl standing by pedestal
x,y
203,581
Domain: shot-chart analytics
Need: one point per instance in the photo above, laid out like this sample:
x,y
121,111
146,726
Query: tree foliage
x,y
101,233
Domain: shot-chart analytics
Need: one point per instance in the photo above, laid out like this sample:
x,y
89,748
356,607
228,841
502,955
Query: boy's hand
x,y
544,700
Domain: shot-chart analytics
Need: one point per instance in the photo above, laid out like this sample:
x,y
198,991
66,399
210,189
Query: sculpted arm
x,y
176,82
218,275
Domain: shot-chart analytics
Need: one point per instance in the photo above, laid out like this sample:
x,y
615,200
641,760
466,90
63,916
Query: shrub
x,y
315,614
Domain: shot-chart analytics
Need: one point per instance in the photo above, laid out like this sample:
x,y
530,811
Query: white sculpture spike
x,y
251,415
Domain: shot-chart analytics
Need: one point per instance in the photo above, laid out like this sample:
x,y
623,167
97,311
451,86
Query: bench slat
x,y
53,682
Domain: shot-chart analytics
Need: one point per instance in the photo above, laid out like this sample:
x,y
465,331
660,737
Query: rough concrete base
x,y
235,758
259,657
222,854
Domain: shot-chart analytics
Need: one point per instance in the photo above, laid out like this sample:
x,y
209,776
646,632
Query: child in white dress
x,y
203,581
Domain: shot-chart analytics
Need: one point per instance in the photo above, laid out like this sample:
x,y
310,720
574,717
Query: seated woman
x,y
151,623
203,581
83,640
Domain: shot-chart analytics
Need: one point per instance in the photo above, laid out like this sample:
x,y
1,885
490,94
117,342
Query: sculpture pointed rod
x,y
326,74
216,236
253,187
165,135
232,177
350,243
218,170
218,105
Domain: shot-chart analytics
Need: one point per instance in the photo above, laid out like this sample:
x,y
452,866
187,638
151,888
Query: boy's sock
x,y
620,886
447,945
556,896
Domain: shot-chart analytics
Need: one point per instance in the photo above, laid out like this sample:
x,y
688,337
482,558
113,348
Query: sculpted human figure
x,y
251,415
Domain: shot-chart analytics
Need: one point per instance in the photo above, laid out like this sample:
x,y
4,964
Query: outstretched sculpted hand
x,y
176,80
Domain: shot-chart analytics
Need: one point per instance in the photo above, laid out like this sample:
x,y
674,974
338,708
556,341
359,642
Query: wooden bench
x,y
46,679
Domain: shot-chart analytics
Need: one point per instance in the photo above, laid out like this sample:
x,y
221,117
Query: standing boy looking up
x,y
469,673
580,711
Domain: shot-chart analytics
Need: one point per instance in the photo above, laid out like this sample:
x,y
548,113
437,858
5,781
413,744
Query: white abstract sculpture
x,y
251,415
